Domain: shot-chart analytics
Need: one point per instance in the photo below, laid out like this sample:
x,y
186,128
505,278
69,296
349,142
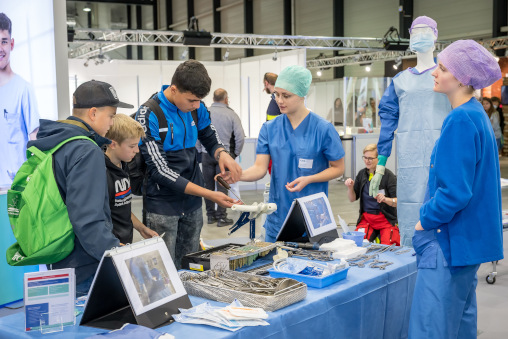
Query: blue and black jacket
x,y
172,163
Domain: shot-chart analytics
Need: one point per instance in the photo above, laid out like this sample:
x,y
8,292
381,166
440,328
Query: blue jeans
x,y
181,232
84,287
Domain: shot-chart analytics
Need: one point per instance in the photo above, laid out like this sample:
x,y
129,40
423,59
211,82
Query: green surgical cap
x,y
295,79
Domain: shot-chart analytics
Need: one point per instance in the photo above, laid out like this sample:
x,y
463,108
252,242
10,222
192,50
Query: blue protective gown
x,y
462,225
304,151
410,106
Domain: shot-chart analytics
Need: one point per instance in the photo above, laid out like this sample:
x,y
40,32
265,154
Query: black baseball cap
x,y
97,94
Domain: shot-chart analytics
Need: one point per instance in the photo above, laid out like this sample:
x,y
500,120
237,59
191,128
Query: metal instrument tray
x,y
288,292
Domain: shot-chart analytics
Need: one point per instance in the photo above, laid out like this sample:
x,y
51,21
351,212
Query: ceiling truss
x,y
89,43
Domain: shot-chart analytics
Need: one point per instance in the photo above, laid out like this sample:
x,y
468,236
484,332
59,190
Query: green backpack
x,y
37,213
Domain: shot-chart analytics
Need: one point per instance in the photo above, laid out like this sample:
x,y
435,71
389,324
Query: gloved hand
x,y
376,180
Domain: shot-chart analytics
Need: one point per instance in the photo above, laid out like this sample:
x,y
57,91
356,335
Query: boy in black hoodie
x,y
124,135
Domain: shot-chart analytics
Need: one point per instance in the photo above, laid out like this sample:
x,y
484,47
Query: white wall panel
x,y
124,76
231,83
249,77
216,73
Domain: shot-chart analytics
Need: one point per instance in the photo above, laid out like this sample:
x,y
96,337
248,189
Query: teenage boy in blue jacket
x,y
80,174
175,182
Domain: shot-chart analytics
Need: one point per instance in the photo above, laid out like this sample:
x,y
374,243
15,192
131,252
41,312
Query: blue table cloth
x,y
369,303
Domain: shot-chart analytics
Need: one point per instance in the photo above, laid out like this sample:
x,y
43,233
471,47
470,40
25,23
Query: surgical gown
x,y
303,151
410,106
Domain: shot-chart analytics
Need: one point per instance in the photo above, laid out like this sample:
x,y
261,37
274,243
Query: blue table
x,y
370,303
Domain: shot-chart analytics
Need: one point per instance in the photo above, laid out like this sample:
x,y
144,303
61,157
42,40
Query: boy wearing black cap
x,y
81,175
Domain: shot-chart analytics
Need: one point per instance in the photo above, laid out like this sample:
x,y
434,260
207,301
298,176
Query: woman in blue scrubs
x,y
460,220
305,149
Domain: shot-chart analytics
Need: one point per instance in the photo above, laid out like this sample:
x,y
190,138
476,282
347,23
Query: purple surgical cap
x,y
424,20
470,63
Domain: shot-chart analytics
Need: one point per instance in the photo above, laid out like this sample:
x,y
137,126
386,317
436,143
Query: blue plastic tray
x,y
317,282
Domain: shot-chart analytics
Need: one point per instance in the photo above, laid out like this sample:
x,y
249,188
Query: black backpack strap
x,y
195,117
154,106
75,123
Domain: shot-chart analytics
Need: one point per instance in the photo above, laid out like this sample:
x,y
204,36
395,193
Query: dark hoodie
x,y
120,196
80,174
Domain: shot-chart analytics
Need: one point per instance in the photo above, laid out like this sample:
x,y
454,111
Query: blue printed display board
x,y
11,277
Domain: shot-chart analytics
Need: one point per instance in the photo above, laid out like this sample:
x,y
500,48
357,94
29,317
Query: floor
x,y
492,299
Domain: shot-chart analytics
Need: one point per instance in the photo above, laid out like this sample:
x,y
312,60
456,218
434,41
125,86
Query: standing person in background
x,y
337,113
229,127
273,110
20,120
371,111
496,102
494,120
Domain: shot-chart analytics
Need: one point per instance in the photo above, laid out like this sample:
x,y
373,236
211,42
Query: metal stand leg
x,y
252,234
491,278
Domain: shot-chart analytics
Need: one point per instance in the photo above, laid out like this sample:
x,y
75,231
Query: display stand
x,y
55,326
10,276
129,294
300,226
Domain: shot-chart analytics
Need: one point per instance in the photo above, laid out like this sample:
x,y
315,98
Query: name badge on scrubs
x,y
305,163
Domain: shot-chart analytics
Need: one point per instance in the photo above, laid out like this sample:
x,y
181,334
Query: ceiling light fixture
x,y
87,7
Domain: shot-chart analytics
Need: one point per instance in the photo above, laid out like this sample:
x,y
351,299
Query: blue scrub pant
x,y
444,304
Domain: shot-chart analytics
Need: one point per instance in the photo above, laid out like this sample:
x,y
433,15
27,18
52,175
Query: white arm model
x,y
256,209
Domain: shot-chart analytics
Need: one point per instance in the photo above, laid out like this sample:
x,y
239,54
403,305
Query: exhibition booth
x,y
310,273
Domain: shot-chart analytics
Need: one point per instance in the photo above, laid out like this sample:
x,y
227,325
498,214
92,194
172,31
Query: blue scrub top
x,y
463,205
18,118
303,151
